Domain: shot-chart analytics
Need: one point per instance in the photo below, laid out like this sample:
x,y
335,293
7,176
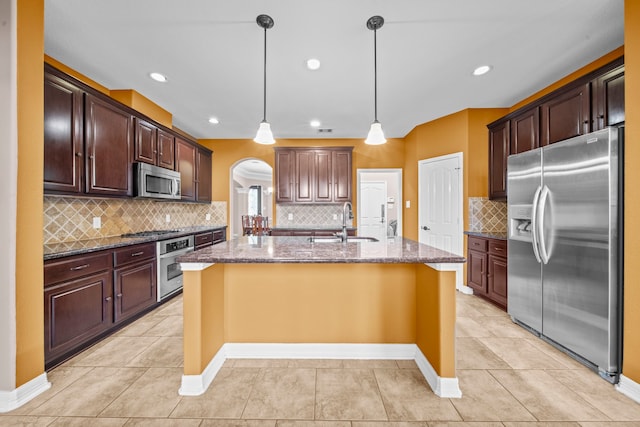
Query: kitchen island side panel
x,y
320,303
204,317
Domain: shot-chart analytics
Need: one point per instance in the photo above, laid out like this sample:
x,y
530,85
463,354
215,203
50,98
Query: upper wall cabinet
x,y
313,175
587,104
91,142
63,136
153,145
109,148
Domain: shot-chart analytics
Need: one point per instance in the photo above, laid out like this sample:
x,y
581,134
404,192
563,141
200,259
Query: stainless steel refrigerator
x,y
565,246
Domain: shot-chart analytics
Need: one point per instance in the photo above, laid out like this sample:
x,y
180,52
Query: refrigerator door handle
x,y
534,224
544,196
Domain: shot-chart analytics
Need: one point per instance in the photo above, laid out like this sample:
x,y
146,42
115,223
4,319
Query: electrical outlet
x,y
97,222
290,217
167,218
407,204
207,217
335,216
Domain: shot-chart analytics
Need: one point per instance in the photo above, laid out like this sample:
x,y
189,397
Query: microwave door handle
x,y
534,224
176,186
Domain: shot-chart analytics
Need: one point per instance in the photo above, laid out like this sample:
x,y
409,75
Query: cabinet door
x,y
75,312
303,185
166,149
477,271
497,280
566,115
498,153
63,128
186,165
135,289
608,99
525,130
323,177
109,136
146,142
203,176
342,176
284,176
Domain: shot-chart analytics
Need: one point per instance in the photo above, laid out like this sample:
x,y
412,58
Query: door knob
x,y
425,228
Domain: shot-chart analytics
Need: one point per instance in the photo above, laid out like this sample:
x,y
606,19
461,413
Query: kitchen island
x,y
290,297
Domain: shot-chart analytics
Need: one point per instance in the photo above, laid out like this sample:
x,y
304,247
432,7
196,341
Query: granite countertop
x,y
268,249
311,227
498,235
59,250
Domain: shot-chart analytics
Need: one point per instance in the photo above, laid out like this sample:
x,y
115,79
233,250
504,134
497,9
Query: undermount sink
x,y
332,239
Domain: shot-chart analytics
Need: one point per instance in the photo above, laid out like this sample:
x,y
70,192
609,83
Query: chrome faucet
x,y
343,235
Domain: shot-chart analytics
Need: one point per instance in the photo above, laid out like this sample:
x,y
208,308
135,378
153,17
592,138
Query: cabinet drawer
x,y
134,253
498,247
477,244
219,236
204,239
56,271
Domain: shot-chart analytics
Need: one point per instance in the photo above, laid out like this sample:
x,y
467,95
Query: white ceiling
x,y
211,51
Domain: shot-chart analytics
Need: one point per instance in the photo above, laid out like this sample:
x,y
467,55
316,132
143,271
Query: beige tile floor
x,y
508,378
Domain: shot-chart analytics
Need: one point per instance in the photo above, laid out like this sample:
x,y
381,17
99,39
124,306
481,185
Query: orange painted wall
x,y
29,223
144,105
631,356
226,152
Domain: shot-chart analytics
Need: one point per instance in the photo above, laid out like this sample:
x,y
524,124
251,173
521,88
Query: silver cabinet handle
x,y
137,253
80,267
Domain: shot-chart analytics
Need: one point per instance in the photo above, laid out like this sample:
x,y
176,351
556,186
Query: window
x,y
255,200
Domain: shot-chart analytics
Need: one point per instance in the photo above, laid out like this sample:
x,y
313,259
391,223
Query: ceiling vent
x,y
325,130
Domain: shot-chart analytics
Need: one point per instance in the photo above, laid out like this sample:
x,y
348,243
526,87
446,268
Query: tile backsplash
x,y
69,219
309,215
487,215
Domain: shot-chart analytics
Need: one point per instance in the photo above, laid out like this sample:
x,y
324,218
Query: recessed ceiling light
x,y
314,123
483,69
313,64
158,77
214,121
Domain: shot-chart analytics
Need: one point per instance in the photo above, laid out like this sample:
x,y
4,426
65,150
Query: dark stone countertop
x,y
312,227
498,235
59,250
268,249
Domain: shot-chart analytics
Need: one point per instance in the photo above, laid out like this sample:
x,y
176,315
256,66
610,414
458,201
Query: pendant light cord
x,y
264,83
375,75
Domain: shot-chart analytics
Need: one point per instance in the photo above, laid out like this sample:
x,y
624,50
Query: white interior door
x,y
373,210
440,204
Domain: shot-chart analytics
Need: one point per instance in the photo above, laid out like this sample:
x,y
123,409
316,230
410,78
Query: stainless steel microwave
x,y
155,182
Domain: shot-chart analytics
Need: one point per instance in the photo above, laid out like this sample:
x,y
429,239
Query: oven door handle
x,y
176,253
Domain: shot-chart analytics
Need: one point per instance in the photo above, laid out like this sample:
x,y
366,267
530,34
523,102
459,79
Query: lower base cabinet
x,y
87,296
487,269
309,232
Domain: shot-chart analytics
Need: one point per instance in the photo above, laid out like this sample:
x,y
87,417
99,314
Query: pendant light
x,y
264,135
375,136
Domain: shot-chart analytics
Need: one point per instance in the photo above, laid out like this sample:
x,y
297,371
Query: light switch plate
x,y
167,218
290,217
407,204
207,217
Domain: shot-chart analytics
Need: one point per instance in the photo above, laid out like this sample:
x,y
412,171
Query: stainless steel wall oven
x,y
169,272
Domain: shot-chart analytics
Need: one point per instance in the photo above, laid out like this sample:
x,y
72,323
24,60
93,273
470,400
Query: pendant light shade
x,y
376,135
264,135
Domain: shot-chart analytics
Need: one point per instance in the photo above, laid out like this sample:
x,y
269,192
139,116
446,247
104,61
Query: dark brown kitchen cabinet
x,y
153,145
63,135
525,131
308,232
203,175
284,175
78,302
134,279
499,140
203,240
487,269
186,165
566,115
109,148
313,175
608,99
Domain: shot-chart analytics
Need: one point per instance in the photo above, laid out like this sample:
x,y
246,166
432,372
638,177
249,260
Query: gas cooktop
x,y
150,233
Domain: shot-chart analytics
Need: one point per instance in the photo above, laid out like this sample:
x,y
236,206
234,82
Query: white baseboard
x,y
466,290
10,400
629,388
194,385
443,387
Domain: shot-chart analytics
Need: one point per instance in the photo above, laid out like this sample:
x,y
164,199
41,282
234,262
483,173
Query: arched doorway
x,y
251,192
